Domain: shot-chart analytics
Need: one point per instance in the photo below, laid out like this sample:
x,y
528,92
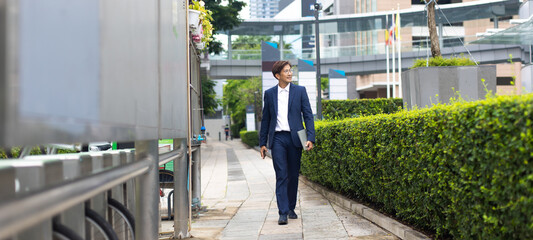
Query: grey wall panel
x,y
49,47
129,64
58,59
173,69
81,71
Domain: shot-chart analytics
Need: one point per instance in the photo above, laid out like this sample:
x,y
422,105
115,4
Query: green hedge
x,y
251,138
234,130
462,170
340,109
441,62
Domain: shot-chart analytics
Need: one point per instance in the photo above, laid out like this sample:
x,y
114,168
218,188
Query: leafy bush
x,y
440,61
251,138
340,109
36,150
235,130
463,170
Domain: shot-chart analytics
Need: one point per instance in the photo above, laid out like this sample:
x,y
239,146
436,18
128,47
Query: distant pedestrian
x,y
284,106
226,130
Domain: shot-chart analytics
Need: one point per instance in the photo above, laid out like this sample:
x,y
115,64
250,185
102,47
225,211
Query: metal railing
x,y
421,46
62,183
129,94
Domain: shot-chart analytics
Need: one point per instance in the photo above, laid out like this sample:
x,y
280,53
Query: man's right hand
x,y
263,151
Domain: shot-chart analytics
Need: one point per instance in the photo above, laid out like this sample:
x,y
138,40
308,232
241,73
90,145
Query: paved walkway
x,y
238,189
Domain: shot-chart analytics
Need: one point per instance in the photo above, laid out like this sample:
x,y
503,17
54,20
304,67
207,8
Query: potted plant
x,y
446,78
194,18
202,34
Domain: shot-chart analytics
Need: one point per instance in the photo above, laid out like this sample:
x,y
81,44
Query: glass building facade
x,y
264,8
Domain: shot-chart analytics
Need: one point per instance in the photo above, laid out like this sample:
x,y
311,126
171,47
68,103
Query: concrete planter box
x,y
425,86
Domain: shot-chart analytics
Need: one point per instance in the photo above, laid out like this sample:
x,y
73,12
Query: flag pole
x,y
398,20
387,52
393,60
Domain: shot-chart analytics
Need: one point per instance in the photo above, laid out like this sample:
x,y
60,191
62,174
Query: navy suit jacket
x,y
298,106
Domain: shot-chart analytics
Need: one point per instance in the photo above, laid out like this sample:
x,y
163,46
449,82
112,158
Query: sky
x,y
245,12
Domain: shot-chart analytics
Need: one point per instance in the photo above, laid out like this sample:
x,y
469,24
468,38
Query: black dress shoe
x,y
292,215
282,220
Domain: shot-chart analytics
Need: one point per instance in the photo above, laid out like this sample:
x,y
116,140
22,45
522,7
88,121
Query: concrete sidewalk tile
x,y
239,237
214,223
205,233
272,227
373,237
357,226
248,208
381,220
285,236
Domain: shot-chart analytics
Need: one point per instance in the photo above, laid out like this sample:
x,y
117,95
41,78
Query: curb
x,y
400,230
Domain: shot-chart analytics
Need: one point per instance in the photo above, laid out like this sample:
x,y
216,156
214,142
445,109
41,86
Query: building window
x,y
504,81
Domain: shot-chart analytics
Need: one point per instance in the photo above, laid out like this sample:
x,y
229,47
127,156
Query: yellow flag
x,y
397,25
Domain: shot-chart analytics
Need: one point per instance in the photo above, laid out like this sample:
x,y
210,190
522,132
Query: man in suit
x,y
284,106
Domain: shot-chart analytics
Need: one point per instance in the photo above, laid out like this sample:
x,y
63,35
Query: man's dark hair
x,y
278,66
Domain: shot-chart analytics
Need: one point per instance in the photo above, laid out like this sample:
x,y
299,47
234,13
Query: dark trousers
x,y
286,158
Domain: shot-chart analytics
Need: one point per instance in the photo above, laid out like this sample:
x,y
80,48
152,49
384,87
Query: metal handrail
x,y
24,212
170,156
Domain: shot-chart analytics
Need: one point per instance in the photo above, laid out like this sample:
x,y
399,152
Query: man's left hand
x,y
309,145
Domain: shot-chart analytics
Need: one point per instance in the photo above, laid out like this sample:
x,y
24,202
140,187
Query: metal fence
x,y
96,71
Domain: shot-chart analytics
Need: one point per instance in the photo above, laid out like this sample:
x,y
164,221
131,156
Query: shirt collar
x,y
284,89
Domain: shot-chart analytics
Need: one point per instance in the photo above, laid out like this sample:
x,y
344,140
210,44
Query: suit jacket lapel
x,y
275,101
291,95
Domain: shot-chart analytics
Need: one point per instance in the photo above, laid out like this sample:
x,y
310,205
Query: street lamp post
x,y
256,116
318,7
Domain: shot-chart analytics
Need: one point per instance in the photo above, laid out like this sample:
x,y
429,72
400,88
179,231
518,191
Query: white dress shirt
x,y
283,109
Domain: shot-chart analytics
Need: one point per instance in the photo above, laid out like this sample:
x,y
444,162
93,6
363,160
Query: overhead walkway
x,y
371,58
369,64
454,13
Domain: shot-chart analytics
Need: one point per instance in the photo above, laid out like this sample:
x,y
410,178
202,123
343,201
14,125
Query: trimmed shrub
x,y
234,130
340,109
251,138
463,170
440,61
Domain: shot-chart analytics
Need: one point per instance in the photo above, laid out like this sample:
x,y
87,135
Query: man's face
x,y
285,75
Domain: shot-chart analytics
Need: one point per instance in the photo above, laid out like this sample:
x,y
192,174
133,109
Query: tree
x,y
252,46
237,95
225,17
324,83
210,103
432,25
247,42
244,42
